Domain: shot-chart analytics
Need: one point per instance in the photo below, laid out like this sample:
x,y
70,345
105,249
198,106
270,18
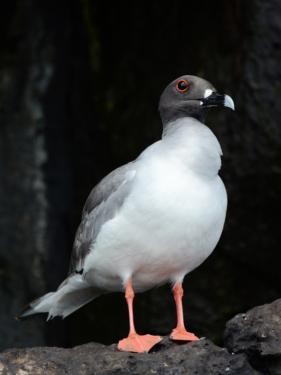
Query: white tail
x,y
72,294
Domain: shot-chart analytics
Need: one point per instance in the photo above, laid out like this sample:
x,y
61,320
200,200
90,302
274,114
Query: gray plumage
x,y
101,205
173,105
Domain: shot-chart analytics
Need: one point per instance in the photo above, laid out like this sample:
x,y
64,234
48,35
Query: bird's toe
x,y
138,343
181,334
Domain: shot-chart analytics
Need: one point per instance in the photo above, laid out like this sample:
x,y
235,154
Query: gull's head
x,y
190,96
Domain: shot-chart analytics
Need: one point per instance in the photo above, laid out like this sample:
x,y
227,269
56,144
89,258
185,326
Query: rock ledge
x,y
252,341
201,357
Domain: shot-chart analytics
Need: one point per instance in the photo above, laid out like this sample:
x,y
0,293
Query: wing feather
x,y
104,201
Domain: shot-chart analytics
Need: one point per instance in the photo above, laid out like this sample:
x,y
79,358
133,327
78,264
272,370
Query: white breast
x,y
169,224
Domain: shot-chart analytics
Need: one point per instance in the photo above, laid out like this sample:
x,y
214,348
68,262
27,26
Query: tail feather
x,y
72,294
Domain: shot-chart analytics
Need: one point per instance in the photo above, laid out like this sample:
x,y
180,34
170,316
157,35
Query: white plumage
x,y
153,220
171,220
169,223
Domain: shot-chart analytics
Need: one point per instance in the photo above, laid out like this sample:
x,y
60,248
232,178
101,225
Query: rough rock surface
x,y
257,333
252,346
201,357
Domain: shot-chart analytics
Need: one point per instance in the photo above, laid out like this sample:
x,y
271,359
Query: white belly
x,y
170,224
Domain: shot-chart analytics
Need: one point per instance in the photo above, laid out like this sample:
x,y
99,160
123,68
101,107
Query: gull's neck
x,y
194,144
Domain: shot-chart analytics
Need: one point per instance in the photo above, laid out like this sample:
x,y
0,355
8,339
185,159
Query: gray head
x,y
190,96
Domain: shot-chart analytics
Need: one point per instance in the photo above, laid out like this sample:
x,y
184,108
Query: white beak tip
x,y
228,102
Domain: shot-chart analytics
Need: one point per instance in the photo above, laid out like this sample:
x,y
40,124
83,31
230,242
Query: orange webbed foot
x,y
181,334
138,343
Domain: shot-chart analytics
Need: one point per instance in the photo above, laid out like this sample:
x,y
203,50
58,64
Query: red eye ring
x,y
182,85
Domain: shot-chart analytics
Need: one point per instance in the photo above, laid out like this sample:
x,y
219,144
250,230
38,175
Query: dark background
x,y
79,89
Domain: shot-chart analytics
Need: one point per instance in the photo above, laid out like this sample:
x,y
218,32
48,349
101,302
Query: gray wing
x,y
104,201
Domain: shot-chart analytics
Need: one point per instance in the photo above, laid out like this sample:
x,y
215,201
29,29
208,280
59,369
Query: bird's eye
x,y
182,85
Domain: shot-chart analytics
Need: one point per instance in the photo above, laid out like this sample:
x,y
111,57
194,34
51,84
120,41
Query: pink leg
x,y
135,342
180,333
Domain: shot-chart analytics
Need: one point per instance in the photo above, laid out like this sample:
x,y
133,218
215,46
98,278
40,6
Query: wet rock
x,y
257,333
201,357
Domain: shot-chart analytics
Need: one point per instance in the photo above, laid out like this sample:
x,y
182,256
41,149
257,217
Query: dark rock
x,y
23,203
257,333
36,187
201,357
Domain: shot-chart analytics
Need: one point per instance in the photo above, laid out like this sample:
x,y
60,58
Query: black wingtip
x,y
22,315
20,318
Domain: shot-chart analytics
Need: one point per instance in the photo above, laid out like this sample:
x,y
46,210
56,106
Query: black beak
x,y
216,100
